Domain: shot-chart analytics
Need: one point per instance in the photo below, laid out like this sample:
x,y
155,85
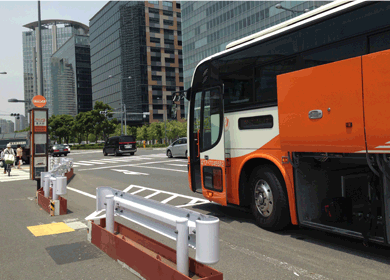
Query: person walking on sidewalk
x,y
8,151
19,153
2,158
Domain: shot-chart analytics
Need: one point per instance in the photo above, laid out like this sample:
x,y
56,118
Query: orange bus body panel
x,y
336,90
376,90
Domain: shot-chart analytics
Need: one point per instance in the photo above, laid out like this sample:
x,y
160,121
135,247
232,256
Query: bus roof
x,y
309,14
297,22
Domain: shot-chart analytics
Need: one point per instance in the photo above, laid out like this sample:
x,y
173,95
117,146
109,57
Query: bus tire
x,y
269,203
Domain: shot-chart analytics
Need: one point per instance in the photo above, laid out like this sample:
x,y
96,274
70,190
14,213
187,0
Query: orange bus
x,y
293,122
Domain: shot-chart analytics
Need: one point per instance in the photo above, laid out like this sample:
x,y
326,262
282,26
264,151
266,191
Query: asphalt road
x,y
247,252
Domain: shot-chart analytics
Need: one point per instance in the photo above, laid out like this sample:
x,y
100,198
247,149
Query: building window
x,y
154,11
154,20
168,22
154,30
155,40
153,2
167,41
167,4
155,58
156,50
168,32
168,13
169,60
156,68
156,78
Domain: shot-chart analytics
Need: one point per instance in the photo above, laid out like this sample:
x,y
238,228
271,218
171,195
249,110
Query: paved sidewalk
x,y
57,256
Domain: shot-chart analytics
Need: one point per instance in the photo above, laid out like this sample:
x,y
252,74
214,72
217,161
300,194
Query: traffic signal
x,y
15,115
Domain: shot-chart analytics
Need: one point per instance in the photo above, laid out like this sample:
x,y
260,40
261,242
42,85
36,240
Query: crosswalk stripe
x,y
80,163
92,161
140,190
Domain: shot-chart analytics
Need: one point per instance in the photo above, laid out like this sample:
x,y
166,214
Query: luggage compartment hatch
x,y
376,92
321,108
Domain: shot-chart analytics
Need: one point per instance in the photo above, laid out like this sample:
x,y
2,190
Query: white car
x,y
178,148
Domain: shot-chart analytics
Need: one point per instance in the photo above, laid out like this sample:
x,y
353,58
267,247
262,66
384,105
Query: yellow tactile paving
x,y
49,229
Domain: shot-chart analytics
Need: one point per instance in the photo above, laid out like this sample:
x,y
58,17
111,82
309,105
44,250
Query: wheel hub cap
x,y
263,198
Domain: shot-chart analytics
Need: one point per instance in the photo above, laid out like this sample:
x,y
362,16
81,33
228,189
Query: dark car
x,y
58,150
119,145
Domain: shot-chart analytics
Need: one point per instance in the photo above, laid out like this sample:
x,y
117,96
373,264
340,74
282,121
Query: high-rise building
x,y
7,126
71,77
136,57
20,123
208,26
54,33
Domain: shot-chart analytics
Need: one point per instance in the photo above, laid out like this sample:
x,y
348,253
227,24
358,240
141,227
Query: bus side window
x,y
265,81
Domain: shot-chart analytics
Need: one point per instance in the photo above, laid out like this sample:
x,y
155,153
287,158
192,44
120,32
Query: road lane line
x,y
128,188
81,192
138,191
169,199
185,165
168,169
80,163
153,194
123,165
89,161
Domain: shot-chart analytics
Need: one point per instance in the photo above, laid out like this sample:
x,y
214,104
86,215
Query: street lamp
x,y
3,72
279,6
14,100
122,104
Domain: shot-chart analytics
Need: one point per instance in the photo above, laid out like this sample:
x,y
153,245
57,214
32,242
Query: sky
x,y
15,14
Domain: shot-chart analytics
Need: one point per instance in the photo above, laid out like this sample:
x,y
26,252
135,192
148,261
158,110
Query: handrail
x,y
200,231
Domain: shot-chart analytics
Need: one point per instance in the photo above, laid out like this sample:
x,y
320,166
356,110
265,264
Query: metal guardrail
x,y
188,228
55,177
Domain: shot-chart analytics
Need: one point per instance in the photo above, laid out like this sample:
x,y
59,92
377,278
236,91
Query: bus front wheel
x,y
268,199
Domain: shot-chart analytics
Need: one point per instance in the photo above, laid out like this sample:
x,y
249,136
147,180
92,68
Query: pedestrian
x,y
2,157
19,154
8,151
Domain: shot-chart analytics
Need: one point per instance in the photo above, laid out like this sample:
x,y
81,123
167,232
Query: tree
x,y
142,133
60,127
102,123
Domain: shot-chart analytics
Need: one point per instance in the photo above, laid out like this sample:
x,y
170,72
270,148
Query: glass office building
x,y
136,58
54,34
208,26
71,77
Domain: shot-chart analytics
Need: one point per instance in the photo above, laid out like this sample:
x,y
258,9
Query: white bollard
x,y
110,213
46,186
207,241
54,188
182,246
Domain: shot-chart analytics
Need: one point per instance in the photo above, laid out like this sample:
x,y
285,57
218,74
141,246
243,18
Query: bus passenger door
x,y
212,146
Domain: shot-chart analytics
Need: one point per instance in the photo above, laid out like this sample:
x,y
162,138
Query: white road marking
x,y
196,204
184,165
82,153
153,194
169,199
170,193
14,177
123,165
81,192
138,191
81,163
128,188
193,200
128,172
89,162
160,168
